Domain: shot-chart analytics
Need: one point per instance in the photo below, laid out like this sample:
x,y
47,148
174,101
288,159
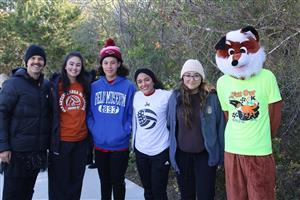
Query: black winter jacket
x,y
55,133
25,115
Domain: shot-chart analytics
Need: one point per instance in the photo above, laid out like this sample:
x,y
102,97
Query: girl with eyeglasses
x,y
196,123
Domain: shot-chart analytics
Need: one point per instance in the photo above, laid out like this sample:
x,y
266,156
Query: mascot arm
x,y
275,116
226,115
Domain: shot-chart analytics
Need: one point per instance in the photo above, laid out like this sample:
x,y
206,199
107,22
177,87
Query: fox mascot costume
x,y
250,98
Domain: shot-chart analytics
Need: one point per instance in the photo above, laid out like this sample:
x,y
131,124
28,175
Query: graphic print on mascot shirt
x,y
246,105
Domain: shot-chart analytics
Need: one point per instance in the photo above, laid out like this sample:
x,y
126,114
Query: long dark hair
x,y
157,83
185,100
121,71
82,79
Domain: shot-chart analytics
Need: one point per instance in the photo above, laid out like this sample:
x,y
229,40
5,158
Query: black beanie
x,y
34,50
157,83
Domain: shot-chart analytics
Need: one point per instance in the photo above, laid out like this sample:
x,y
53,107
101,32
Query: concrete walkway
x,y
90,190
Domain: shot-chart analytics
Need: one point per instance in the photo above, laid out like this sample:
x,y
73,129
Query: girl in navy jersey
x,y
150,134
110,121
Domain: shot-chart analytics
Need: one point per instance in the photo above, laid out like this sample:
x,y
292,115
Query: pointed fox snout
x,y
234,63
235,58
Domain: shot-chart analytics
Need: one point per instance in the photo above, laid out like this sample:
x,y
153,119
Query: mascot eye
x,y
230,51
243,50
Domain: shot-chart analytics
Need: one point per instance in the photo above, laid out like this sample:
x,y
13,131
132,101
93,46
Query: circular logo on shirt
x,y
73,100
147,118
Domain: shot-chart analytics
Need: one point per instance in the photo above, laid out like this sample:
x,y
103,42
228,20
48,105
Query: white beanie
x,y
192,65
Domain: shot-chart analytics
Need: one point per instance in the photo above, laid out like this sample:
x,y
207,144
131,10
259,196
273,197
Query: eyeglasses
x,y
189,77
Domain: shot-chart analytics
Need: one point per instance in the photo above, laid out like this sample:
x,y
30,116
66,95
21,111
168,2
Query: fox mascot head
x,y
239,53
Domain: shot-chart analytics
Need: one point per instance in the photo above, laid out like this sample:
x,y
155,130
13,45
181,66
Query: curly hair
x,y
121,71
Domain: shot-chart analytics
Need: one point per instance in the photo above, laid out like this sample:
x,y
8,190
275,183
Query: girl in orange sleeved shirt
x,y
69,143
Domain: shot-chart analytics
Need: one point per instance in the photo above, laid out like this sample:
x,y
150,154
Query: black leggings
x,y
195,177
66,171
154,172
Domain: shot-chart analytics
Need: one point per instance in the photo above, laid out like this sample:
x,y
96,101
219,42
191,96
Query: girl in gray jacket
x,y
196,123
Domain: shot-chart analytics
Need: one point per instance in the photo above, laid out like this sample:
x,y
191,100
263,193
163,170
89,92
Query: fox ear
x,y
221,45
251,31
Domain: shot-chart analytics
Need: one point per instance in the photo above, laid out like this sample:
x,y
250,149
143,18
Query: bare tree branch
x,y
286,39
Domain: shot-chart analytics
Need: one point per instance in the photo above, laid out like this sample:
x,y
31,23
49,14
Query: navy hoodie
x,y
110,113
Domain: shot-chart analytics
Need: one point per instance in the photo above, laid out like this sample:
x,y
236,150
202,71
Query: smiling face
x,y
192,80
35,65
145,83
73,68
110,66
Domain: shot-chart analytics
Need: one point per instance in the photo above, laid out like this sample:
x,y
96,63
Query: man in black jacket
x,y
25,125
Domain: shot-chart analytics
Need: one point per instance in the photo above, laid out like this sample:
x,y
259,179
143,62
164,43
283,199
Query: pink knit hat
x,y
110,49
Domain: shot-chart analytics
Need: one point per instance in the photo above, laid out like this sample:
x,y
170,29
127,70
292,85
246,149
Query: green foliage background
x,y
161,35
